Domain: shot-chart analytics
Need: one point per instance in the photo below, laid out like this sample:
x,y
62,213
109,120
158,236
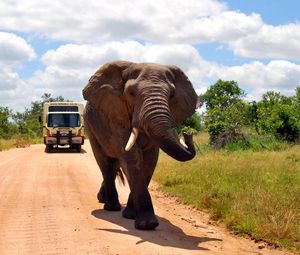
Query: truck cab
x,y
63,125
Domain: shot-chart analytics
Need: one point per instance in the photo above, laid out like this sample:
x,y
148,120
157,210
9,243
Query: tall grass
x,y
18,142
6,144
255,193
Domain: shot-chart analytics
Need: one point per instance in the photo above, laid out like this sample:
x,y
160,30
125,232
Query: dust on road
x,y
48,205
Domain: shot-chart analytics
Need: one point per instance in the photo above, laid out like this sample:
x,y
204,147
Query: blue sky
x,y
55,46
276,12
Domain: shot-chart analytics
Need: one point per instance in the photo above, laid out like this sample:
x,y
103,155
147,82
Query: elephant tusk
x,y
131,141
183,143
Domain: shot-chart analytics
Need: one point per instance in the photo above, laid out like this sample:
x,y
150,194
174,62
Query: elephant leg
x,y
108,193
129,211
150,158
139,205
101,193
145,218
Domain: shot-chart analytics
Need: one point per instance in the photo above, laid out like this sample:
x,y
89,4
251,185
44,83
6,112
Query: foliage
x,y
255,142
7,129
192,125
279,115
226,112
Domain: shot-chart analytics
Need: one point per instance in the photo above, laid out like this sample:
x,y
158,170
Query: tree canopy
x,y
227,114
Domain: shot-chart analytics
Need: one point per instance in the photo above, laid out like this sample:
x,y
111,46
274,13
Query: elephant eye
x,y
172,91
172,94
131,91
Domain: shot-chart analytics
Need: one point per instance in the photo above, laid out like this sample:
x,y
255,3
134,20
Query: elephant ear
x,y
185,100
105,90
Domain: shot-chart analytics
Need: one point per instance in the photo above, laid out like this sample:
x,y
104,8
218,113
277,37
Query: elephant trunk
x,y
172,146
157,122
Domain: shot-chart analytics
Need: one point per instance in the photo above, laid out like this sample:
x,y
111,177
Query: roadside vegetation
x,y
20,129
246,173
254,191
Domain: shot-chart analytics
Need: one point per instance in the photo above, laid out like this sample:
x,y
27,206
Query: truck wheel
x,y
48,148
78,149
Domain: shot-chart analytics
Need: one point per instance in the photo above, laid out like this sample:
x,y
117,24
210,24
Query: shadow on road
x,y
64,150
166,234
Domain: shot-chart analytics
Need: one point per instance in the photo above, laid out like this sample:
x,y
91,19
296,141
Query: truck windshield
x,y
63,120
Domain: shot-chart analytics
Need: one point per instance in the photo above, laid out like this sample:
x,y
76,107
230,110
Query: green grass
x,y
252,192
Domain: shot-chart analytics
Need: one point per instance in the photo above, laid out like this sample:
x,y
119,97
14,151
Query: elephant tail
x,y
120,176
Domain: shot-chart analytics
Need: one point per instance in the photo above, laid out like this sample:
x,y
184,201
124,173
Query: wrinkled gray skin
x,y
152,98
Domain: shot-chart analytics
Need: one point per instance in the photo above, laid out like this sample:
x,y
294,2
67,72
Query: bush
x,y
192,125
279,115
256,142
227,121
21,142
226,112
228,138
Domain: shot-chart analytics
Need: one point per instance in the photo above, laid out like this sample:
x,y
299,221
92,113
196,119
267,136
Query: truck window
x,y
62,108
63,120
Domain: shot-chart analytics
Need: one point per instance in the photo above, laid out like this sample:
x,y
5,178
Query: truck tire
x,y
78,149
49,148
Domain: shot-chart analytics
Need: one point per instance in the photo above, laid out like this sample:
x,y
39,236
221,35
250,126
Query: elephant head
x,y
148,98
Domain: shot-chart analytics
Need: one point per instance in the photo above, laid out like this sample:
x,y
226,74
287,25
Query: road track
x,y
48,205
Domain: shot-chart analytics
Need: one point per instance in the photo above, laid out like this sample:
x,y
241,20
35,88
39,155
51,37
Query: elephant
x,y
131,112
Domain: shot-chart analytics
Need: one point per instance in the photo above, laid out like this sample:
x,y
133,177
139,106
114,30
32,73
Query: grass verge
x,y
252,192
7,144
18,142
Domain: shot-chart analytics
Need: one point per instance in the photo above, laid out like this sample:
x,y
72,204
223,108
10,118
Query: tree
x,y
279,115
222,94
226,111
7,128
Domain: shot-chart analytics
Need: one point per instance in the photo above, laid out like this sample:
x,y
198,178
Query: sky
x,y
55,46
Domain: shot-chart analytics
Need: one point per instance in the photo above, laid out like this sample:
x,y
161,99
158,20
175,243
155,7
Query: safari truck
x,y
63,125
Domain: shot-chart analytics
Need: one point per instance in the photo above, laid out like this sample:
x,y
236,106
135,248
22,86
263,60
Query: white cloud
x,y
224,27
161,31
13,90
281,42
70,66
257,77
156,21
14,49
175,21
82,21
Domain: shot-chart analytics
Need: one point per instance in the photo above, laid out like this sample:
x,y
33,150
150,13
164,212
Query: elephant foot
x,y
101,196
146,222
109,206
129,213
110,203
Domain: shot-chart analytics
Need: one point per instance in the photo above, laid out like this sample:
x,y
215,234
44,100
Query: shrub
x,y
279,115
21,142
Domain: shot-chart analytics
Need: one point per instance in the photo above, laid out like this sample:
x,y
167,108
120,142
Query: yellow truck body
x,y
63,125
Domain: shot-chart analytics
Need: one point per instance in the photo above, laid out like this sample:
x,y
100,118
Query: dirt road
x,y
48,205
